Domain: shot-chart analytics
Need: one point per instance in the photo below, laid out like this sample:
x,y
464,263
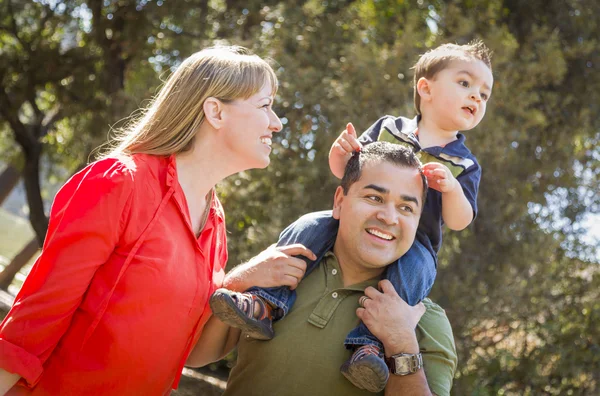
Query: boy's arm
x,y
457,211
342,149
348,142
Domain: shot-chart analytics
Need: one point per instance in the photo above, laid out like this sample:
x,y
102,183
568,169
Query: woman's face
x,y
249,129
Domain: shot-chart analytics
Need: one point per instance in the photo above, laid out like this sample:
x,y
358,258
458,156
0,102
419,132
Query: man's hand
x,y
342,150
273,267
439,177
391,319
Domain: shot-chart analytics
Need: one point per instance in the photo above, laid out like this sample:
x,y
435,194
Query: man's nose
x,y
388,215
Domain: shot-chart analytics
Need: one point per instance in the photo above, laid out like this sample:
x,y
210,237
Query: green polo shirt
x,y
305,356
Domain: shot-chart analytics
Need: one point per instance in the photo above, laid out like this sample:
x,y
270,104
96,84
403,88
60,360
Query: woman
x,y
136,242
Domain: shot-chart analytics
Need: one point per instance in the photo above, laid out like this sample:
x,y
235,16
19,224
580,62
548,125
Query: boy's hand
x,y
439,177
342,150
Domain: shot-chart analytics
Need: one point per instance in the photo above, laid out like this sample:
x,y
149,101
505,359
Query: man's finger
x,y
297,263
371,292
360,312
387,287
297,249
294,271
290,281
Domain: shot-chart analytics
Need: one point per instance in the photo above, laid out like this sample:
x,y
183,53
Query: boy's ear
x,y
213,112
338,198
424,88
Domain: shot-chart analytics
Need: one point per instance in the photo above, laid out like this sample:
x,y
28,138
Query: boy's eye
x,y
464,83
484,96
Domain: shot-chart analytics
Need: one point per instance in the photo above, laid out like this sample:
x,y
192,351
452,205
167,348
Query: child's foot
x,y
366,369
244,311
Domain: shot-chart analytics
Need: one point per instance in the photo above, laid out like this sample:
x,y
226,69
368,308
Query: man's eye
x,y
407,208
374,198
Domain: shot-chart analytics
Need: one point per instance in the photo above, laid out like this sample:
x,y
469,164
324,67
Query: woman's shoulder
x,y
127,168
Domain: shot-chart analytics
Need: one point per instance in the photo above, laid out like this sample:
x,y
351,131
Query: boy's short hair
x,y
437,59
395,154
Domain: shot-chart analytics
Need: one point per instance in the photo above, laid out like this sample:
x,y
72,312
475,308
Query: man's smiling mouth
x,y
380,234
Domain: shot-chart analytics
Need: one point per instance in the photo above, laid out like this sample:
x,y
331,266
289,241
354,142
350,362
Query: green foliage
x,y
520,285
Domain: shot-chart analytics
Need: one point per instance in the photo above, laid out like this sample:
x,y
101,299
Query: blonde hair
x,y
170,122
437,59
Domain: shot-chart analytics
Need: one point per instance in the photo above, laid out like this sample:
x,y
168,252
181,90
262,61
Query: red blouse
x,y
119,295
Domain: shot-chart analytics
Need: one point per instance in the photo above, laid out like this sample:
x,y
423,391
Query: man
x,y
378,206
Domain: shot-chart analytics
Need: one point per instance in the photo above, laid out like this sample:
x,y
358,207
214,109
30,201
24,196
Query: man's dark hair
x,y
396,154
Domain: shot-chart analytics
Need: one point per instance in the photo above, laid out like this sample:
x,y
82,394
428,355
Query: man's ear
x,y
338,198
213,112
424,89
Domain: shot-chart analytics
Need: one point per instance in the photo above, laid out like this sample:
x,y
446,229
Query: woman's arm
x,y
7,381
275,266
216,341
85,224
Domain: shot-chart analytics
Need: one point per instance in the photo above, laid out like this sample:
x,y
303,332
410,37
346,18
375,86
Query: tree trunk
x,y
18,262
8,180
31,176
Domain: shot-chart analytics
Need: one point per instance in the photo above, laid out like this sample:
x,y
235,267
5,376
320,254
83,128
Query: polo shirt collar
x,y
455,148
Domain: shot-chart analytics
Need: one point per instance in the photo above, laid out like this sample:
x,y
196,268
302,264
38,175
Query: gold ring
x,y
362,300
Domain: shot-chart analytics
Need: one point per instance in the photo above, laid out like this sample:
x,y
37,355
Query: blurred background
x,y
521,285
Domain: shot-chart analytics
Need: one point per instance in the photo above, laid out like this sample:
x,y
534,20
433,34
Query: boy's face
x,y
455,98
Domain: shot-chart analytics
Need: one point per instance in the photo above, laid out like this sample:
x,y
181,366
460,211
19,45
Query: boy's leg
x,y
412,276
254,310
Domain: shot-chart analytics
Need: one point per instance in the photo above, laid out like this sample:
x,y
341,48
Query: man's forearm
x,y
412,384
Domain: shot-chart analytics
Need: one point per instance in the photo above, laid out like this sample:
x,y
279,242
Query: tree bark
x,y
8,180
18,262
31,177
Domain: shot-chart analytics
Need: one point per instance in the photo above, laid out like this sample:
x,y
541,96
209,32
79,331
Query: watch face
x,y
405,363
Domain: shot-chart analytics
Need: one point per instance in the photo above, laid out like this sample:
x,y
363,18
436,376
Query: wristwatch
x,y
405,363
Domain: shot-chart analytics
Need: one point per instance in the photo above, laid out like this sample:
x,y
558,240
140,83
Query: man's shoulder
x,y
435,319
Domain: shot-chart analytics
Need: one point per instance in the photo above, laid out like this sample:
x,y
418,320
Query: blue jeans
x,y
412,275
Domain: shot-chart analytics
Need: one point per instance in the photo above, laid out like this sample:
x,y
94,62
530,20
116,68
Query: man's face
x,y
378,217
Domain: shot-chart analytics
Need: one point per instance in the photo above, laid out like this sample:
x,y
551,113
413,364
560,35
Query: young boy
x,y
452,85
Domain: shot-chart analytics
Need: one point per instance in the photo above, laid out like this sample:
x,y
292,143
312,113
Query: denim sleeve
x,y
413,274
316,231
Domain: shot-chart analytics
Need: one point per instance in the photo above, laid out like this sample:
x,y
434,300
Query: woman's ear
x,y
213,112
